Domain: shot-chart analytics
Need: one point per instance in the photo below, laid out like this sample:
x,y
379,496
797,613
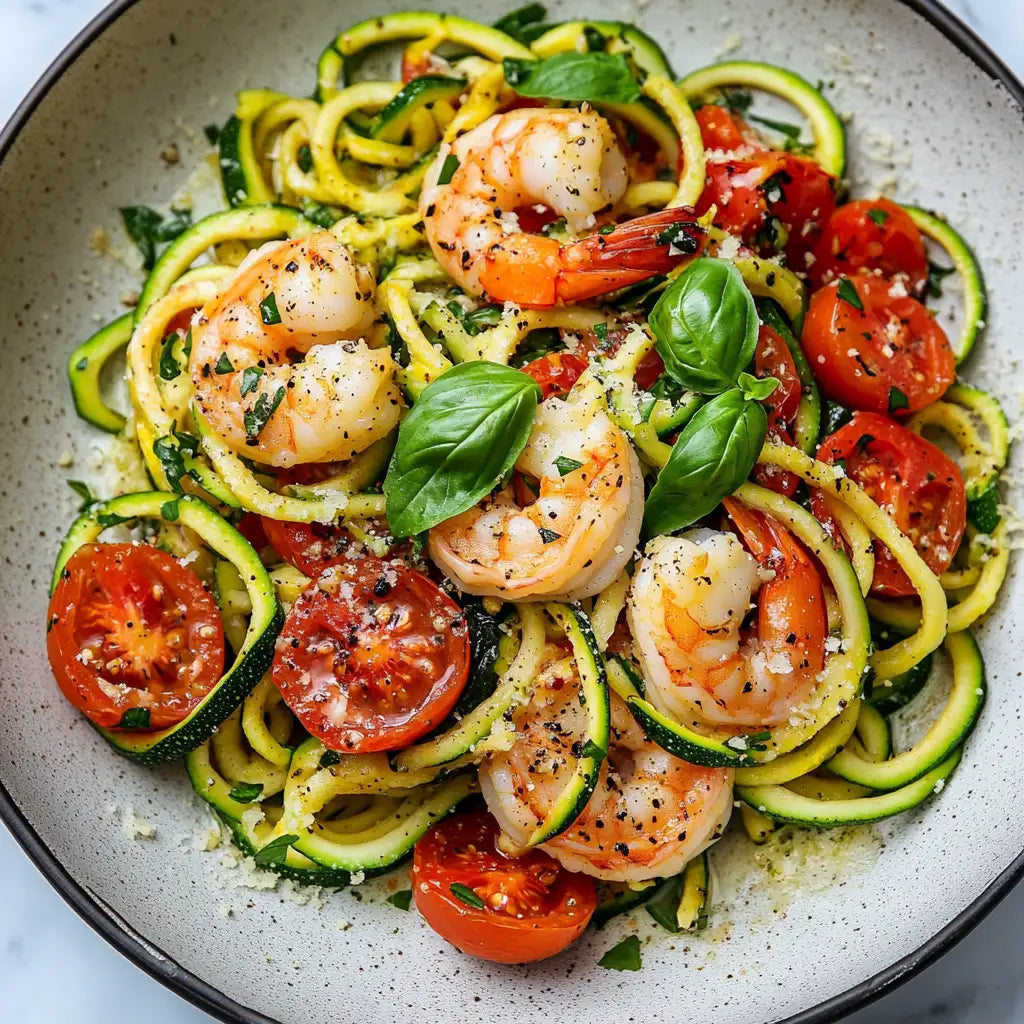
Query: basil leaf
x,y
835,416
401,899
705,325
147,228
246,792
464,893
596,77
329,758
134,718
848,293
275,851
663,906
713,455
304,158
169,368
757,389
548,536
461,439
224,364
983,511
879,216
625,956
169,511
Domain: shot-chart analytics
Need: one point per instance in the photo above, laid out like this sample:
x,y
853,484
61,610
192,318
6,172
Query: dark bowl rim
x,y
140,951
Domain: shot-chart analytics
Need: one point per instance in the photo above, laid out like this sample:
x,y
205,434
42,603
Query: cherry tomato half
x,y
310,547
753,192
556,372
372,656
724,132
917,483
772,358
532,907
131,630
890,355
873,235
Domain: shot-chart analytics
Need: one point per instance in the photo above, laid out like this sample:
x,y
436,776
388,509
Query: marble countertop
x,y
53,968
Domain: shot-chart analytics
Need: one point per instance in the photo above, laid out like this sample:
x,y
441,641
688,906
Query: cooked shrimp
x,y
288,300
649,814
686,610
568,161
578,534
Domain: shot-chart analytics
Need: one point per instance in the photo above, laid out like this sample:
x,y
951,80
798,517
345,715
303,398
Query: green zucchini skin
x,y
248,223
828,128
901,690
783,805
393,120
808,417
251,662
594,697
948,733
966,263
677,739
86,364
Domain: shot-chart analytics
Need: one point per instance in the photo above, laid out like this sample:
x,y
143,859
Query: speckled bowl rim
x,y
140,951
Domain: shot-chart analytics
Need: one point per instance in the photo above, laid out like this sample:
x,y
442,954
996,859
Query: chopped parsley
x,y
848,293
246,792
134,718
401,899
250,379
147,229
897,400
259,415
275,851
625,956
268,310
936,275
448,169
169,511
565,465
466,895
224,364
82,490
879,216
548,536
169,367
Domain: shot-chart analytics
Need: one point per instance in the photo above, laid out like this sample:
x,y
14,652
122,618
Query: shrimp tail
x,y
629,254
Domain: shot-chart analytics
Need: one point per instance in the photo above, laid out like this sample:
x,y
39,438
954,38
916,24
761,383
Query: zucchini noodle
x,y
341,588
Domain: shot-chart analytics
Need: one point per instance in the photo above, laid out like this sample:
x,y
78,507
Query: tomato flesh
x,y
372,656
533,908
873,236
556,372
724,132
891,354
131,630
772,358
913,480
749,191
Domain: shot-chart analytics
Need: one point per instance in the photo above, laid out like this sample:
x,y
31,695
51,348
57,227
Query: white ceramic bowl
x,y
929,125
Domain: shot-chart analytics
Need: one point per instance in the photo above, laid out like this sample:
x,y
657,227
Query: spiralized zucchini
x,y
352,160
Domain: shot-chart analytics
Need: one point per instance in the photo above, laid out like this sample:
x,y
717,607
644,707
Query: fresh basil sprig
x,y
705,325
713,455
596,77
461,439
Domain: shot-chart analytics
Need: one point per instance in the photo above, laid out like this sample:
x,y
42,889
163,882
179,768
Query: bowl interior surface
x,y
926,126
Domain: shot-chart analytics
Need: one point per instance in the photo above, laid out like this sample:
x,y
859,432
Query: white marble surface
x,y
54,969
